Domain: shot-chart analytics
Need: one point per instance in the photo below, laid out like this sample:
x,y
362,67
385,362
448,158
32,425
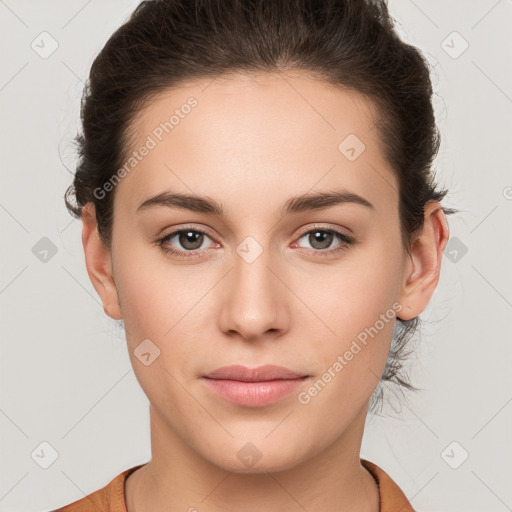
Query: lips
x,y
260,374
254,387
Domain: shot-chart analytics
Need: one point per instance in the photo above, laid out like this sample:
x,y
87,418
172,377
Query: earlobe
x,y
98,262
424,262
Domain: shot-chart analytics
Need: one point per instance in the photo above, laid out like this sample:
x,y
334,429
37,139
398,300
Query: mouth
x,y
260,374
256,387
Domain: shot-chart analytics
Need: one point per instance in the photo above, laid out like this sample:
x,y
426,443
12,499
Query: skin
x,y
251,143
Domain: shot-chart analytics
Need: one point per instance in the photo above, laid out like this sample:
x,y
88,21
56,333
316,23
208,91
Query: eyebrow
x,y
297,204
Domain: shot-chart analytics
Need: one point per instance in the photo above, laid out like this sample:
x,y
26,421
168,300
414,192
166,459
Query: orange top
x,y
111,497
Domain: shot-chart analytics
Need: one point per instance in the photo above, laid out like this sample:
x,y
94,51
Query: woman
x,y
259,211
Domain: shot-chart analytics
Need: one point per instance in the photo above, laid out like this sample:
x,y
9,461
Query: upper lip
x,y
259,374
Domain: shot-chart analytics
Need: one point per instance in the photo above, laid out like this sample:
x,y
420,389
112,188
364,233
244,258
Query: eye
x,y
190,242
321,239
189,239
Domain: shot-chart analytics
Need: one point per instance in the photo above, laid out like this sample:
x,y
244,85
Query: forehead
x,y
247,134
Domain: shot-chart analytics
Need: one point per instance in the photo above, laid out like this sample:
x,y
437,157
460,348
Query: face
x,y
246,275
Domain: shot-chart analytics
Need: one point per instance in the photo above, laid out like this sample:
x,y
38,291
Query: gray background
x,y
66,378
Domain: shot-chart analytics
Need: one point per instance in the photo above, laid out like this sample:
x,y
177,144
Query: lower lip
x,y
253,394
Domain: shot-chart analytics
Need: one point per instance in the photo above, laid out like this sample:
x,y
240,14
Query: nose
x,y
254,303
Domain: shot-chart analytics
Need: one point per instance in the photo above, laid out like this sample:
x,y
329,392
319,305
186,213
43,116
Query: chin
x,y
252,458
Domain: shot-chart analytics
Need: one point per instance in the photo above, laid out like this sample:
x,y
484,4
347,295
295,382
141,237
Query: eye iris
x,y
324,237
185,239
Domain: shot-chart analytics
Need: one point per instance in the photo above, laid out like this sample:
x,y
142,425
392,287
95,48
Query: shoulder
x,y
392,497
107,499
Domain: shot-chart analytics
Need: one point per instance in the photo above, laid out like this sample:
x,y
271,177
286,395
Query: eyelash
x,y
344,239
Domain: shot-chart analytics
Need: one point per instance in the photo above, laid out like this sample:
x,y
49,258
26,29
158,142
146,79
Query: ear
x,y
99,264
424,263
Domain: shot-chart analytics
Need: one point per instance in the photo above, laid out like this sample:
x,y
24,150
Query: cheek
x,y
157,315
351,360
351,296
161,303
154,293
355,311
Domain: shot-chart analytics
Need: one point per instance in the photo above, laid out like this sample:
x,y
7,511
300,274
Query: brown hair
x,y
348,43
